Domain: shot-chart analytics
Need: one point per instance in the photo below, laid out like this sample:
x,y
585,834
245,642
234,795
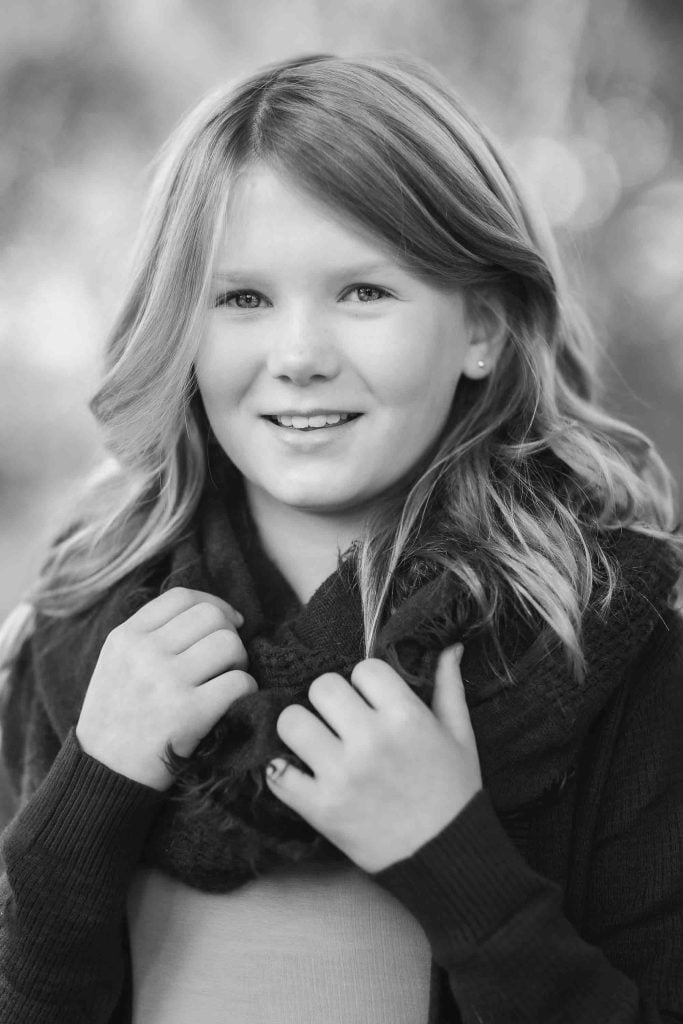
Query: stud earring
x,y
481,363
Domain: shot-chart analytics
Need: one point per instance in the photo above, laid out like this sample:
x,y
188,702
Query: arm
x,y
498,927
69,857
71,850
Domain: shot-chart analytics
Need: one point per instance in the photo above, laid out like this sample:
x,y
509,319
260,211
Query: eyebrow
x,y
354,270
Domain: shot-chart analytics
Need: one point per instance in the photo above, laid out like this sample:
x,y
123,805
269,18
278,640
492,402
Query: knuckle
x,y
372,663
118,640
398,728
114,636
211,615
366,666
124,628
366,749
361,672
231,646
243,683
289,717
402,716
229,640
177,597
324,684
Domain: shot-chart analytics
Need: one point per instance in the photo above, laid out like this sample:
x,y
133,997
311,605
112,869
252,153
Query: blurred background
x,y
586,95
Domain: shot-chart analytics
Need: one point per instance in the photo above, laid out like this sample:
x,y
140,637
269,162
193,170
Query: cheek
x,y
418,376
222,373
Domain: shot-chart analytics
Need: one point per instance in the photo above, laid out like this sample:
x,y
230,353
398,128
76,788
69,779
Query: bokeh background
x,y
586,95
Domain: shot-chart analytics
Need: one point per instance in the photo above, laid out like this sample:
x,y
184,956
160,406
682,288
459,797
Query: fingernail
x,y
274,768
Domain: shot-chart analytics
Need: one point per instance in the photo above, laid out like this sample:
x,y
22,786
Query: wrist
x,y
125,760
84,813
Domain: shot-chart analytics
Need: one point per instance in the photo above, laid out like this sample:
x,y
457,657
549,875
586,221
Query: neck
x,y
305,545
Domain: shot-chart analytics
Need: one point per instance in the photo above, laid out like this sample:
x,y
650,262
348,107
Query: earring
x,y
481,363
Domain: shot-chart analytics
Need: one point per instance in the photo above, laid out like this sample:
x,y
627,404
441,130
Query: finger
x,y
192,625
448,701
166,606
214,697
212,655
380,685
342,707
307,736
293,787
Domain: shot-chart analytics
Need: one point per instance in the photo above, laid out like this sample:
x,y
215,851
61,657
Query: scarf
x,y
221,826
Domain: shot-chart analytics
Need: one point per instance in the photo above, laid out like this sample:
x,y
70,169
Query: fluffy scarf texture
x,y
221,826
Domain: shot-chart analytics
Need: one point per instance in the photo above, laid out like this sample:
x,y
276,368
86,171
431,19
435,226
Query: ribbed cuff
x,y
465,882
86,812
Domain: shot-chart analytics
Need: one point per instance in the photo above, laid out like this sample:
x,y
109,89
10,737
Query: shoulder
x,y
635,763
655,680
627,606
645,589
54,657
640,726
643,561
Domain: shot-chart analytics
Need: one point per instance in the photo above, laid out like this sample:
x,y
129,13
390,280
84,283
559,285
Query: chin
x,y
319,499
321,503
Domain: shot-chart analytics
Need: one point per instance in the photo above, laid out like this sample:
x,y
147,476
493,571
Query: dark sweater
x,y
569,911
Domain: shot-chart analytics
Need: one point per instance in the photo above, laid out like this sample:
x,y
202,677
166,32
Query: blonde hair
x,y
528,472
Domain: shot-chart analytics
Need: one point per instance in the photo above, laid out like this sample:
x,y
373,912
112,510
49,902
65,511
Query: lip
x,y
310,438
313,412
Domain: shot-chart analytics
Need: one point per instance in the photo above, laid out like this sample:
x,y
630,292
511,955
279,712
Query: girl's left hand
x,y
388,773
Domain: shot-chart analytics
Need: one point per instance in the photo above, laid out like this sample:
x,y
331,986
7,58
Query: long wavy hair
x,y
529,473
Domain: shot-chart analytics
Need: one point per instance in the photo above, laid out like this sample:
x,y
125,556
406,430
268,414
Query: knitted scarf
x,y
221,826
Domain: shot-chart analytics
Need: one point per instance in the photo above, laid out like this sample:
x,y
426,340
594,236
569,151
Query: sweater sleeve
x,y
498,927
69,854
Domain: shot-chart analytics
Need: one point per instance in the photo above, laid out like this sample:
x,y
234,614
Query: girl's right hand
x,y
165,675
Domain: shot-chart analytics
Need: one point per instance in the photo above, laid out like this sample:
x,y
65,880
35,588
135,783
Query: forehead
x,y
271,218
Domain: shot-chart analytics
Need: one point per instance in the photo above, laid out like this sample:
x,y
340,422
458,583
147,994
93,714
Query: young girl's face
x,y
326,368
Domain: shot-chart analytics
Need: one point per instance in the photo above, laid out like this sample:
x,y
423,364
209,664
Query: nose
x,y
303,349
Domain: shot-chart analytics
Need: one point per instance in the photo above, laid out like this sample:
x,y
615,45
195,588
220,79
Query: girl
x,y
357,453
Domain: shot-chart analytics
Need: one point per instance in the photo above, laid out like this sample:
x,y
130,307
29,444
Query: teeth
x,y
309,422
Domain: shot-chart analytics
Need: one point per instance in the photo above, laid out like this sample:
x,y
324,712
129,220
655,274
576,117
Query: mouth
x,y
320,421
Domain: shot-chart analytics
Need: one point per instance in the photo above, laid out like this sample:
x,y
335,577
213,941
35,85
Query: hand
x,y
389,773
165,675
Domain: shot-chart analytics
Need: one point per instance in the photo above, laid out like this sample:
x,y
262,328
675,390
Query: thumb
x,y
448,701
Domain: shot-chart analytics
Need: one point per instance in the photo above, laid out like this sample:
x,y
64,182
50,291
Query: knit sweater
x,y
568,910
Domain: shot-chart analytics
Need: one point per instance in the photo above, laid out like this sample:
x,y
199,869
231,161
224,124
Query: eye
x,y
239,300
367,293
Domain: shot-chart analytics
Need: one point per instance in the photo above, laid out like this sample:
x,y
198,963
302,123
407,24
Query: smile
x,y
306,439
317,422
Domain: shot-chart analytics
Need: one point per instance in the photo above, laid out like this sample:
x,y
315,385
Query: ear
x,y
488,333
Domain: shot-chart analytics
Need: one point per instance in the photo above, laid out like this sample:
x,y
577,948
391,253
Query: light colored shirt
x,y
307,944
